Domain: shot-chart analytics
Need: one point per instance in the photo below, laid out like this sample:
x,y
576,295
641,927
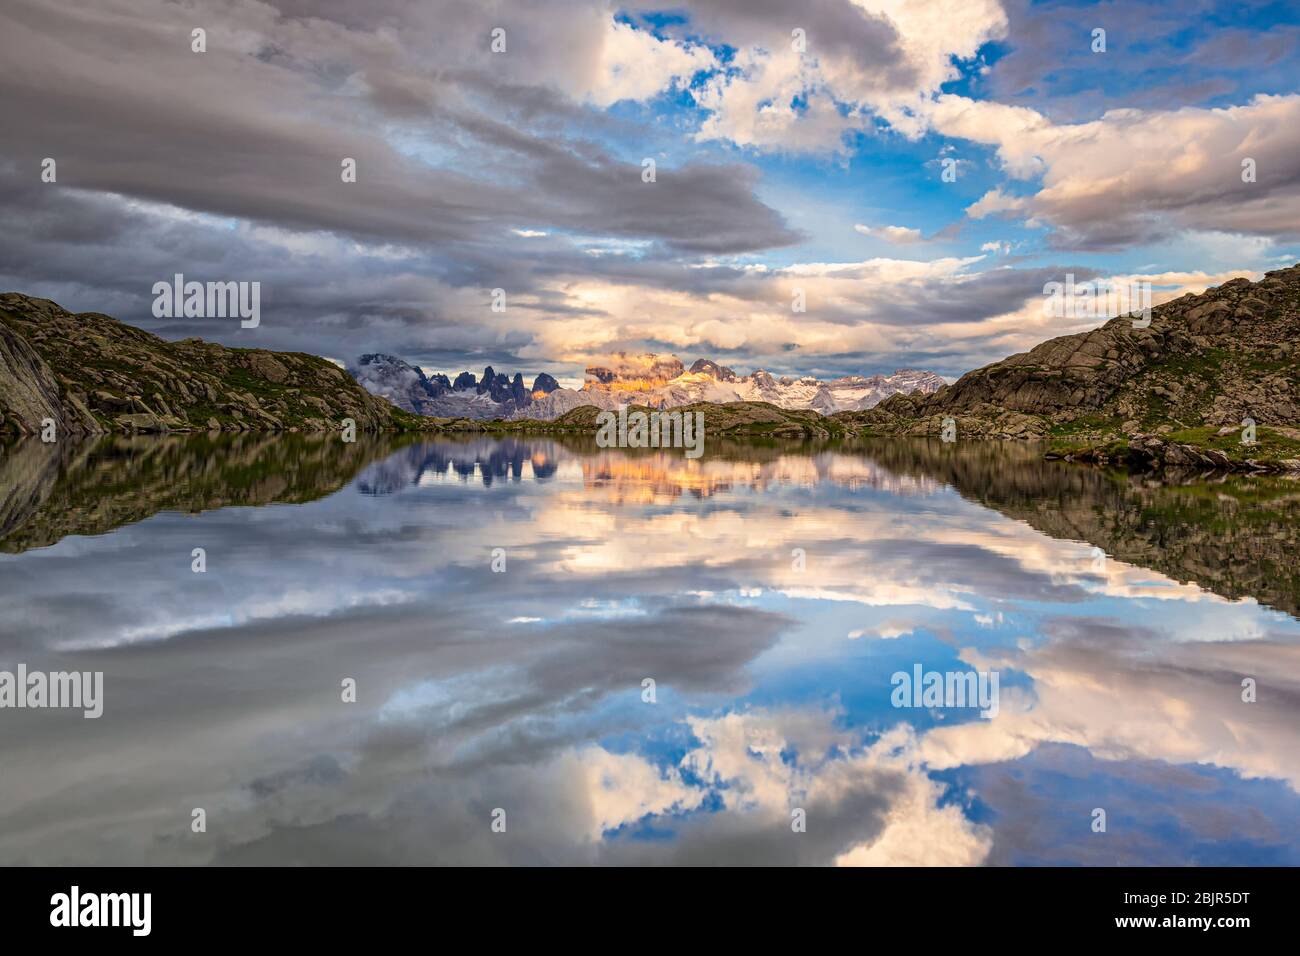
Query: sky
x,y
798,151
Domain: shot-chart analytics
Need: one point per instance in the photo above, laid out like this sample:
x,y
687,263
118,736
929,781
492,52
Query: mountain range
x,y
1213,382
649,379
495,395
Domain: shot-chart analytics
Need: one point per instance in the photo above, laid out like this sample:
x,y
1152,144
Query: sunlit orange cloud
x,y
841,315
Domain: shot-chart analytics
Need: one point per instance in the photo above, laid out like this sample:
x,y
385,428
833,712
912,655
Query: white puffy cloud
x,y
1125,695
757,106
900,235
743,753
1136,175
883,310
637,65
623,788
860,57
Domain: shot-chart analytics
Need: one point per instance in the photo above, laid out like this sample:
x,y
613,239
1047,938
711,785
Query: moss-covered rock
x,y
1175,393
91,373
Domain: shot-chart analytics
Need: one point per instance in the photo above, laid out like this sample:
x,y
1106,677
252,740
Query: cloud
x,y
887,631
860,57
522,171
637,65
863,806
899,235
228,162
1160,59
1128,693
623,788
1136,176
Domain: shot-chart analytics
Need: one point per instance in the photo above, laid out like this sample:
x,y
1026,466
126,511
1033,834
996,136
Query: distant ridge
x,y
651,379
495,395
1185,391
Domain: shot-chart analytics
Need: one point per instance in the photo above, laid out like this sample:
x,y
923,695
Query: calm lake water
x,y
770,594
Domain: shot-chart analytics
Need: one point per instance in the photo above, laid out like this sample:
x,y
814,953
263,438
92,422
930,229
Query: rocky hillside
x,y
1177,391
91,373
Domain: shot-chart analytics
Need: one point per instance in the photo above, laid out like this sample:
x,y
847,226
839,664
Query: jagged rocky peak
x,y
493,384
501,388
859,392
662,381
403,384
712,368
492,395
625,371
379,365
376,361
649,378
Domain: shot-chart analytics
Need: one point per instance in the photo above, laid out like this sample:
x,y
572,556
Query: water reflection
x,y
769,593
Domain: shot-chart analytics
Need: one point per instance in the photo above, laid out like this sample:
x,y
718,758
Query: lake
x,y
539,651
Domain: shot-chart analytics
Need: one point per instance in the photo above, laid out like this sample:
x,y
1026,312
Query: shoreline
x,y
1276,451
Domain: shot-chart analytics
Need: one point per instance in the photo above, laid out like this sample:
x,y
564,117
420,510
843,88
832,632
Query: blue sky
x,y
875,175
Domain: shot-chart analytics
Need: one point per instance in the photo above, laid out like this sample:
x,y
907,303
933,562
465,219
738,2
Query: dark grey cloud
x,y
455,148
973,298
838,30
1152,60
259,705
91,252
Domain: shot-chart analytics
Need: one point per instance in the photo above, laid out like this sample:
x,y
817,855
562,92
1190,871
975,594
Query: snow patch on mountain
x,y
495,395
658,381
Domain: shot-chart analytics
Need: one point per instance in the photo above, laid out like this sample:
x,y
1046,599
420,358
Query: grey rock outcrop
x,y
30,392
